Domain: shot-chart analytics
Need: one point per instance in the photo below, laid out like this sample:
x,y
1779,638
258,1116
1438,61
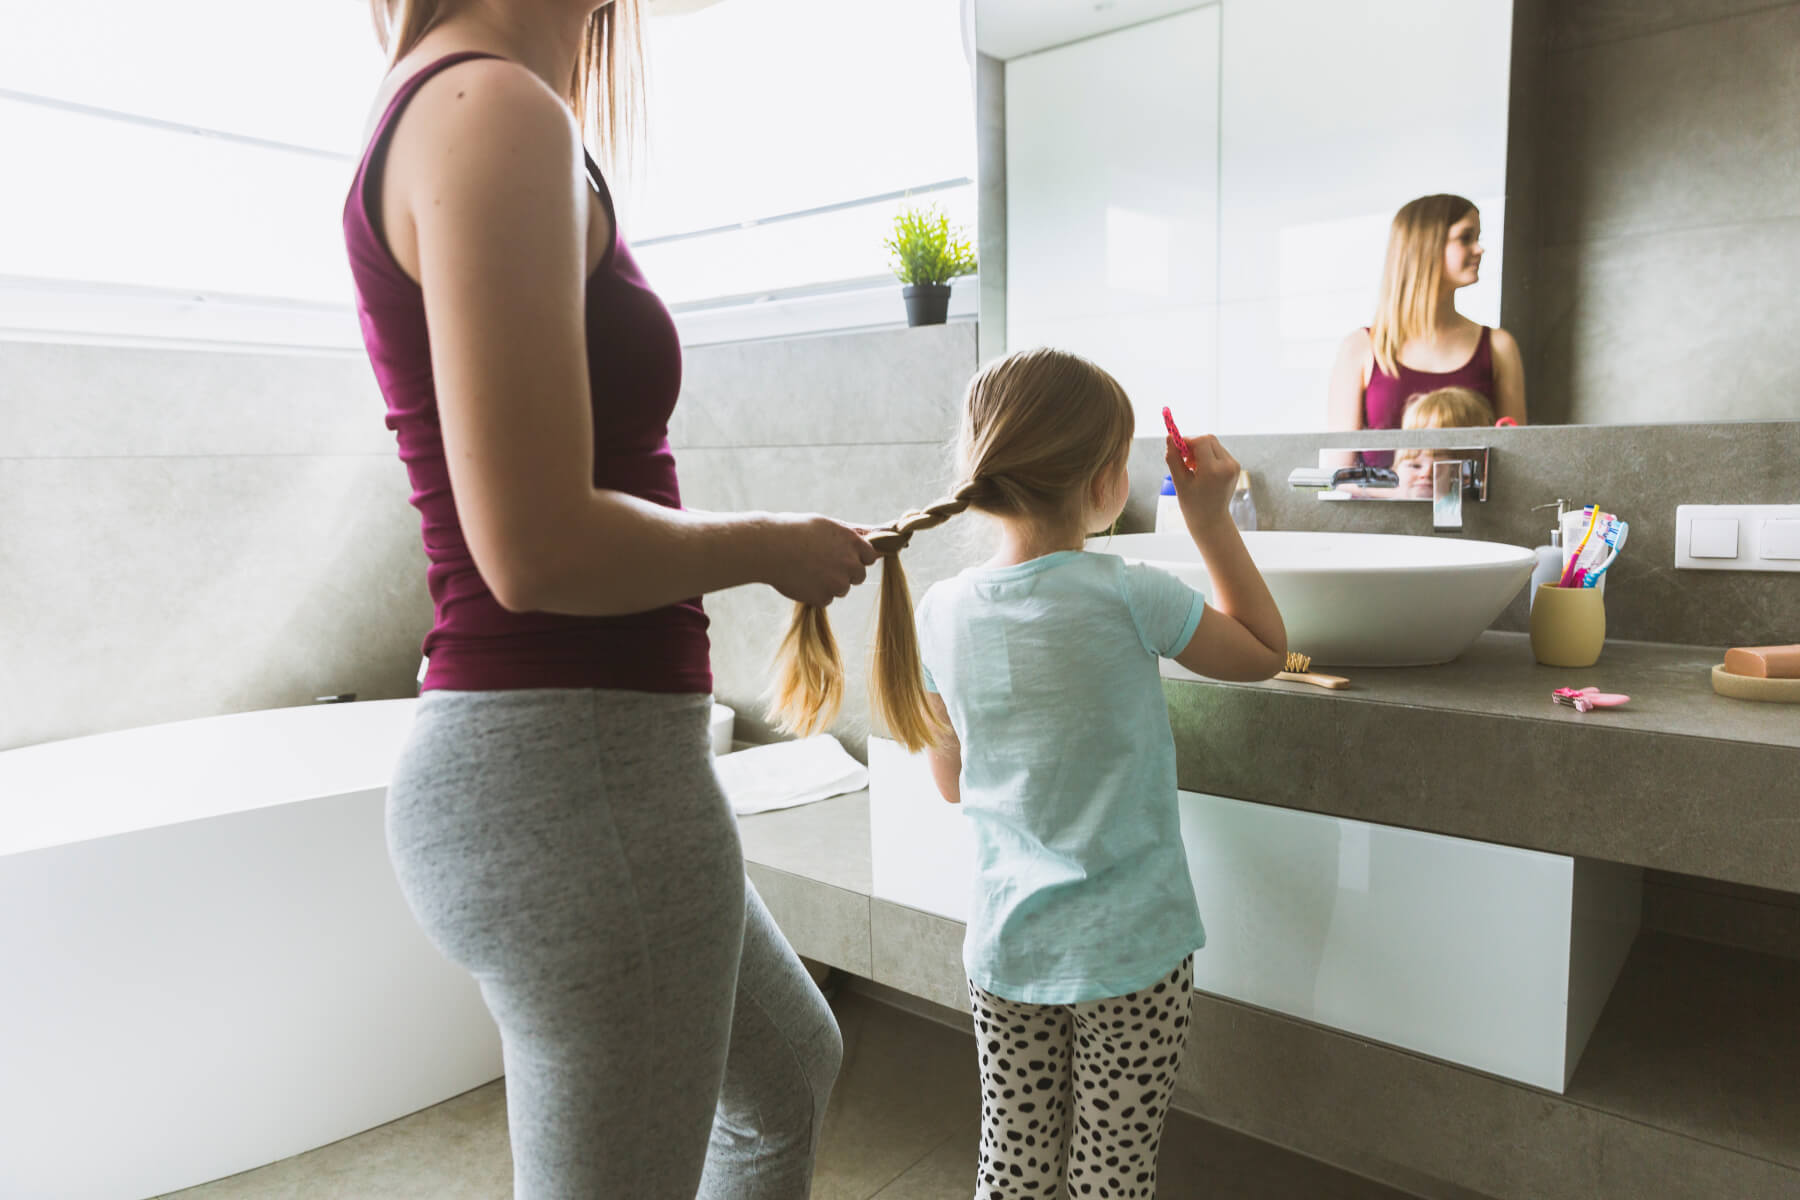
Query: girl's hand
x,y
1204,491
814,559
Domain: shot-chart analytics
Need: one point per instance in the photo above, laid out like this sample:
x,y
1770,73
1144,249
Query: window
x,y
170,176
784,136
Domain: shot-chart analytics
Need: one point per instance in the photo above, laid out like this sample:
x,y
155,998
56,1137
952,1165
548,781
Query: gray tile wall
x,y
192,533
1668,212
856,426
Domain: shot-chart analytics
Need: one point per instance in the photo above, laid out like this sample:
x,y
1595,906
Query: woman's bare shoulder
x,y
483,106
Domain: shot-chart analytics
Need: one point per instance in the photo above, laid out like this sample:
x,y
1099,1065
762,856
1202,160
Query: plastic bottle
x,y
1549,558
1168,508
1243,504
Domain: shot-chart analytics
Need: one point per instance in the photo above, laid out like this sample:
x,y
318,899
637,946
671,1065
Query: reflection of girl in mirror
x,y
1419,342
1446,408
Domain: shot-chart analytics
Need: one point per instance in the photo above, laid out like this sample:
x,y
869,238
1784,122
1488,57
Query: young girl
x,y
1041,708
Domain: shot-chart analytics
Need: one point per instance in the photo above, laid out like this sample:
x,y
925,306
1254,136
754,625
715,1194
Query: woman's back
x,y
634,370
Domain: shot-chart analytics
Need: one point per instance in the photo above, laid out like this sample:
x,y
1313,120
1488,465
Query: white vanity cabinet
x,y
1488,956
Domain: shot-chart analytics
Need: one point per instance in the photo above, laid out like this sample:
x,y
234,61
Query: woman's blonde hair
x,y
1413,274
606,90
1038,427
1447,408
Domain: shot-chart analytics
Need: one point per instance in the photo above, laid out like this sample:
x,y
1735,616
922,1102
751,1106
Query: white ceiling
x,y
1010,28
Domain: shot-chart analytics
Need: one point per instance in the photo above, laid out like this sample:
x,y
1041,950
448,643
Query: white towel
x,y
784,774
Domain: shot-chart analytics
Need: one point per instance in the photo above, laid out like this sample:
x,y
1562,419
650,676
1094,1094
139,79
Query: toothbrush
x,y
1614,538
1568,575
1187,453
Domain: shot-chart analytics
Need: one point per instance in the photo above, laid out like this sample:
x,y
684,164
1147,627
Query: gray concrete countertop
x,y
1670,689
1681,779
827,842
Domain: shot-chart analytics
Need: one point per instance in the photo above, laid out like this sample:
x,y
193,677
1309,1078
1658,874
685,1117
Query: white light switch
x,y
1781,540
1737,537
1714,537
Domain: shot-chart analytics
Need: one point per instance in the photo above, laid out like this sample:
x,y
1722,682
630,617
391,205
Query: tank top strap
x,y
1483,358
369,170
406,91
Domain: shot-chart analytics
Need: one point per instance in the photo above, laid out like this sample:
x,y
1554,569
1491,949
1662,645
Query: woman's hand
x,y
1204,490
814,559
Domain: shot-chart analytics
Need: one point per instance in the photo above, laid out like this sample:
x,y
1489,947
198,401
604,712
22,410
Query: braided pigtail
x,y
809,673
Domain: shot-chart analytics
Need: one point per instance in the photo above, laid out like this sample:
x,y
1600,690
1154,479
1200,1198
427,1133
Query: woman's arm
x,y
1509,377
1344,397
946,757
488,173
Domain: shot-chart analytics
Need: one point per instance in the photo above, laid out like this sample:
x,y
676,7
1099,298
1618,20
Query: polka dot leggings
x,y
1110,1064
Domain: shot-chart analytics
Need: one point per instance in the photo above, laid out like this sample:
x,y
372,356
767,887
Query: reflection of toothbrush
x,y
1187,453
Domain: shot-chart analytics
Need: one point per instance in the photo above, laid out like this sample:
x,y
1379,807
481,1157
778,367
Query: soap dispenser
x,y
1549,567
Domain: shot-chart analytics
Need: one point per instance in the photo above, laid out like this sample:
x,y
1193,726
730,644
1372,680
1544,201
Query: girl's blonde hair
x,y
1447,408
1413,274
1038,427
606,89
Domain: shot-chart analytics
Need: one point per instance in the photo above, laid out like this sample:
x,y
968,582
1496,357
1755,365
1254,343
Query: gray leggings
x,y
572,850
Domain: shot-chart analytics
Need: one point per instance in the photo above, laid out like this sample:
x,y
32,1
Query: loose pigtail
x,y
809,674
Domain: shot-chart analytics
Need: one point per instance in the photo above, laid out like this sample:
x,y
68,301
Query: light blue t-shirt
x,y
1049,671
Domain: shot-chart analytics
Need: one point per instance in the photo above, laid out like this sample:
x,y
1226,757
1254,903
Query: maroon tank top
x,y
1384,400
634,369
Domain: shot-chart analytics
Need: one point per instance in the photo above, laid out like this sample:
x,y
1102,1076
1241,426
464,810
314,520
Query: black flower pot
x,y
927,303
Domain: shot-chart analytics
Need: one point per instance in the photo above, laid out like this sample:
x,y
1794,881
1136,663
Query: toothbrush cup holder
x,y
1568,626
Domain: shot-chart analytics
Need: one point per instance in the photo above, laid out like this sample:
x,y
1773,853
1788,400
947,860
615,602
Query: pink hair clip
x,y
1586,699
1505,423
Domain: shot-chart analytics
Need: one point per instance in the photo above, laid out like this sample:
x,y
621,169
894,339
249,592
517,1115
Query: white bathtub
x,y
205,962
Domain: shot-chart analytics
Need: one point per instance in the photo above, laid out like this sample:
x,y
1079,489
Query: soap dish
x,y
1751,687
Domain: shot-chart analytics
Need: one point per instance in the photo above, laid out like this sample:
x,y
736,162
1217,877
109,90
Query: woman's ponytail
x,y
809,674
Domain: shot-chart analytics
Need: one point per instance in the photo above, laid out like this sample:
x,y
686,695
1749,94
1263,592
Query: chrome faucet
x,y
1456,474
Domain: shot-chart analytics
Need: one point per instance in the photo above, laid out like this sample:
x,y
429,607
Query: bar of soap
x,y
1764,662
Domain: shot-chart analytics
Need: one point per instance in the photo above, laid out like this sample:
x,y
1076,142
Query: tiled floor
x,y
903,1125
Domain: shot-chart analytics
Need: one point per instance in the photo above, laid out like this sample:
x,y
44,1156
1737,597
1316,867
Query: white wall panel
x,y
1112,207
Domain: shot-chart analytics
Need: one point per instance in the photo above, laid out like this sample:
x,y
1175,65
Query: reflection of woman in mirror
x,y
1419,342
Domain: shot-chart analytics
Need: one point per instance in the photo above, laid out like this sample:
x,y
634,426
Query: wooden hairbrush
x,y
1297,672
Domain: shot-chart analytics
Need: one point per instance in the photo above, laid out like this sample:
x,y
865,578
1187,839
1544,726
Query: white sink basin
x,y
1363,599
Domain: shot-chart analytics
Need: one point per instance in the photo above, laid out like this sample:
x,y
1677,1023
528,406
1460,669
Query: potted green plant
x,y
927,255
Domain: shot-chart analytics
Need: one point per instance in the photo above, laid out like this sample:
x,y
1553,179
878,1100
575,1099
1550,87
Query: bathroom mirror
x,y
1199,197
